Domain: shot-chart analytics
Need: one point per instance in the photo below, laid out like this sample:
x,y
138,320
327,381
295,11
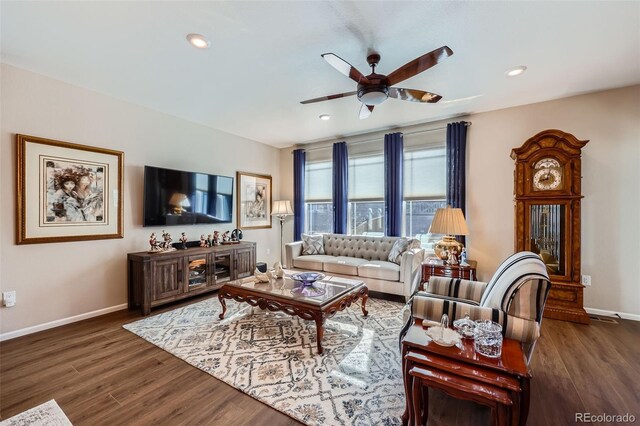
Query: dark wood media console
x,y
158,278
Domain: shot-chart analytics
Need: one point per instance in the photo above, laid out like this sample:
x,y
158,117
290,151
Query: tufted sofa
x,y
364,257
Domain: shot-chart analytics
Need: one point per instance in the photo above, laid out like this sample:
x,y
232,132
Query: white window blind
x,y
425,173
366,178
318,181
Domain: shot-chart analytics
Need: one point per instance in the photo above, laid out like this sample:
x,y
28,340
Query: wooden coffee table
x,y
317,302
467,375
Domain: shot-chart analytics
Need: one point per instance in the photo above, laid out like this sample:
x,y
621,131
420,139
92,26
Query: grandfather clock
x,y
547,191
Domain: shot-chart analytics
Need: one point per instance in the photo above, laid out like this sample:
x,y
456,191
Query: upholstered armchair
x,y
514,297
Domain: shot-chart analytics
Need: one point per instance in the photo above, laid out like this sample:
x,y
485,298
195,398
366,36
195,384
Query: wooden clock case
x,y
547,221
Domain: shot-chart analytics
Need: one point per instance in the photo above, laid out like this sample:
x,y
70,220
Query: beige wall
x,y
611,185
61,280
610,120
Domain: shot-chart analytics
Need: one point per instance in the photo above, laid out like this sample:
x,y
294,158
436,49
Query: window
x,y
366,195
418,215
318,212
424,189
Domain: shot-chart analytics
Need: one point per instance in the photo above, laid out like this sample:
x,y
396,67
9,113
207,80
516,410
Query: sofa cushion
x,y
312,244
380,269
312,261
400,246
343,265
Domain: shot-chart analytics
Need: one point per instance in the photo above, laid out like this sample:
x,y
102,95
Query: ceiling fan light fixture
x,y
325,117
513,72
198,40
373,95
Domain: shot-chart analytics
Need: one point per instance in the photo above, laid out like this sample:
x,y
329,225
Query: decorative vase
x,y
443,247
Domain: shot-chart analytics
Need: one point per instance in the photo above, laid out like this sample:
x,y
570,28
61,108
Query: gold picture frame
x,y
253,200
67,191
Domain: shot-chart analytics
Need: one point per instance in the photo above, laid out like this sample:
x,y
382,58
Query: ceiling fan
x,y
376,88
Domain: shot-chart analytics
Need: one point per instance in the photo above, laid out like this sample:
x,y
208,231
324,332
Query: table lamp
x,y
281,209
450,222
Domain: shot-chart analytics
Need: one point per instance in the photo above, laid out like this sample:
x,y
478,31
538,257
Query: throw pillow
x,y
312,244
399,247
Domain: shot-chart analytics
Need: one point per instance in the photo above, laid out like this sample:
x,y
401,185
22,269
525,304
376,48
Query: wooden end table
x,y
317,302
448,271
465,367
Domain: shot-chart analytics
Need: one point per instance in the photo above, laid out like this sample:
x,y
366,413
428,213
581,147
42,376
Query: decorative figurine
x,y
279,271
166,241
225,237
216,238
209,240
452,258
236,235
262,277
463,257
203,242
183,240
153,242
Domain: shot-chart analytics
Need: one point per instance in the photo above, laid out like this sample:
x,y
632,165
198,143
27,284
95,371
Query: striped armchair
x,y
514,297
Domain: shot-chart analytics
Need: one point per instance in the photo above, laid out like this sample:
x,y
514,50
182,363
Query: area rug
x,y
47,414
272,357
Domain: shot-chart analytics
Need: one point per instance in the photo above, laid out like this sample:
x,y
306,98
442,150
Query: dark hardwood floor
x,y
100,373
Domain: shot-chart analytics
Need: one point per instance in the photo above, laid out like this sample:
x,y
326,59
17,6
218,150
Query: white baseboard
x,y
614,314
58,323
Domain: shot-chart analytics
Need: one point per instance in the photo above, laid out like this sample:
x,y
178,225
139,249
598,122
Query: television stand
x,y
155,279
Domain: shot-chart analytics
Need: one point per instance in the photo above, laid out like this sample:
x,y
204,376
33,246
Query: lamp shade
x,y
282,208
449,221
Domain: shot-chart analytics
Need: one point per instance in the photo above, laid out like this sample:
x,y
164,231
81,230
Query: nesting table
x,y
500,383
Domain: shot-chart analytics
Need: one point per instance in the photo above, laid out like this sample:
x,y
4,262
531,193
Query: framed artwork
x,y
253,200
67,192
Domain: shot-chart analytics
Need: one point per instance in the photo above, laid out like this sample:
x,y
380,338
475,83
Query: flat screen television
x,y
174,197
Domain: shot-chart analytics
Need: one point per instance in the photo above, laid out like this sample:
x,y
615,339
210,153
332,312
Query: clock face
x,y
547,179
547,175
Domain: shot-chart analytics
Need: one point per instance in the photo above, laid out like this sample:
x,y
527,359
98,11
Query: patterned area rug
x,y
271,356
47,414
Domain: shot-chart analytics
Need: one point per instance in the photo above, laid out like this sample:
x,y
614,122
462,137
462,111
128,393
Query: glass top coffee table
x,y
316,302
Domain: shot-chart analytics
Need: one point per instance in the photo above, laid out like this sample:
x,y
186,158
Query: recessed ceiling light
x,y
198,40
325,117
512,72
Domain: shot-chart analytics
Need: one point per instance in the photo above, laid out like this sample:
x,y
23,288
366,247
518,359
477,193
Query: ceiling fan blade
x,y
328,98
365,111
418,65
413,95
345,68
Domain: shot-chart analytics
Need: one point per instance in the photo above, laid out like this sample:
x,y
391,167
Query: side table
x,y
449,271
467,375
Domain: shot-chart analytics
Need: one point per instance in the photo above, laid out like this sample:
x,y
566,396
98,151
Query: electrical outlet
x,y
9,298
586,280
268,251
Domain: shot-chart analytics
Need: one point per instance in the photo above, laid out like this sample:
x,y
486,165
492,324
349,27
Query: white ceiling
x,y
265,56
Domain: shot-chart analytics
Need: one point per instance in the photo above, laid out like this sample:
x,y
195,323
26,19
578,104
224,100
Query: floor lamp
x,y
282,209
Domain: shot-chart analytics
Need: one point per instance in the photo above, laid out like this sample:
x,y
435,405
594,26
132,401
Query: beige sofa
x,y
364,257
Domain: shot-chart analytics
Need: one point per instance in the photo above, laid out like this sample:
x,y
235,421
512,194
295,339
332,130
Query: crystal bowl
x,y
307,278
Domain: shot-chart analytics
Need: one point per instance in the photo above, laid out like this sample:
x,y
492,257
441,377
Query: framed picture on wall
x,y
67,192
253,200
